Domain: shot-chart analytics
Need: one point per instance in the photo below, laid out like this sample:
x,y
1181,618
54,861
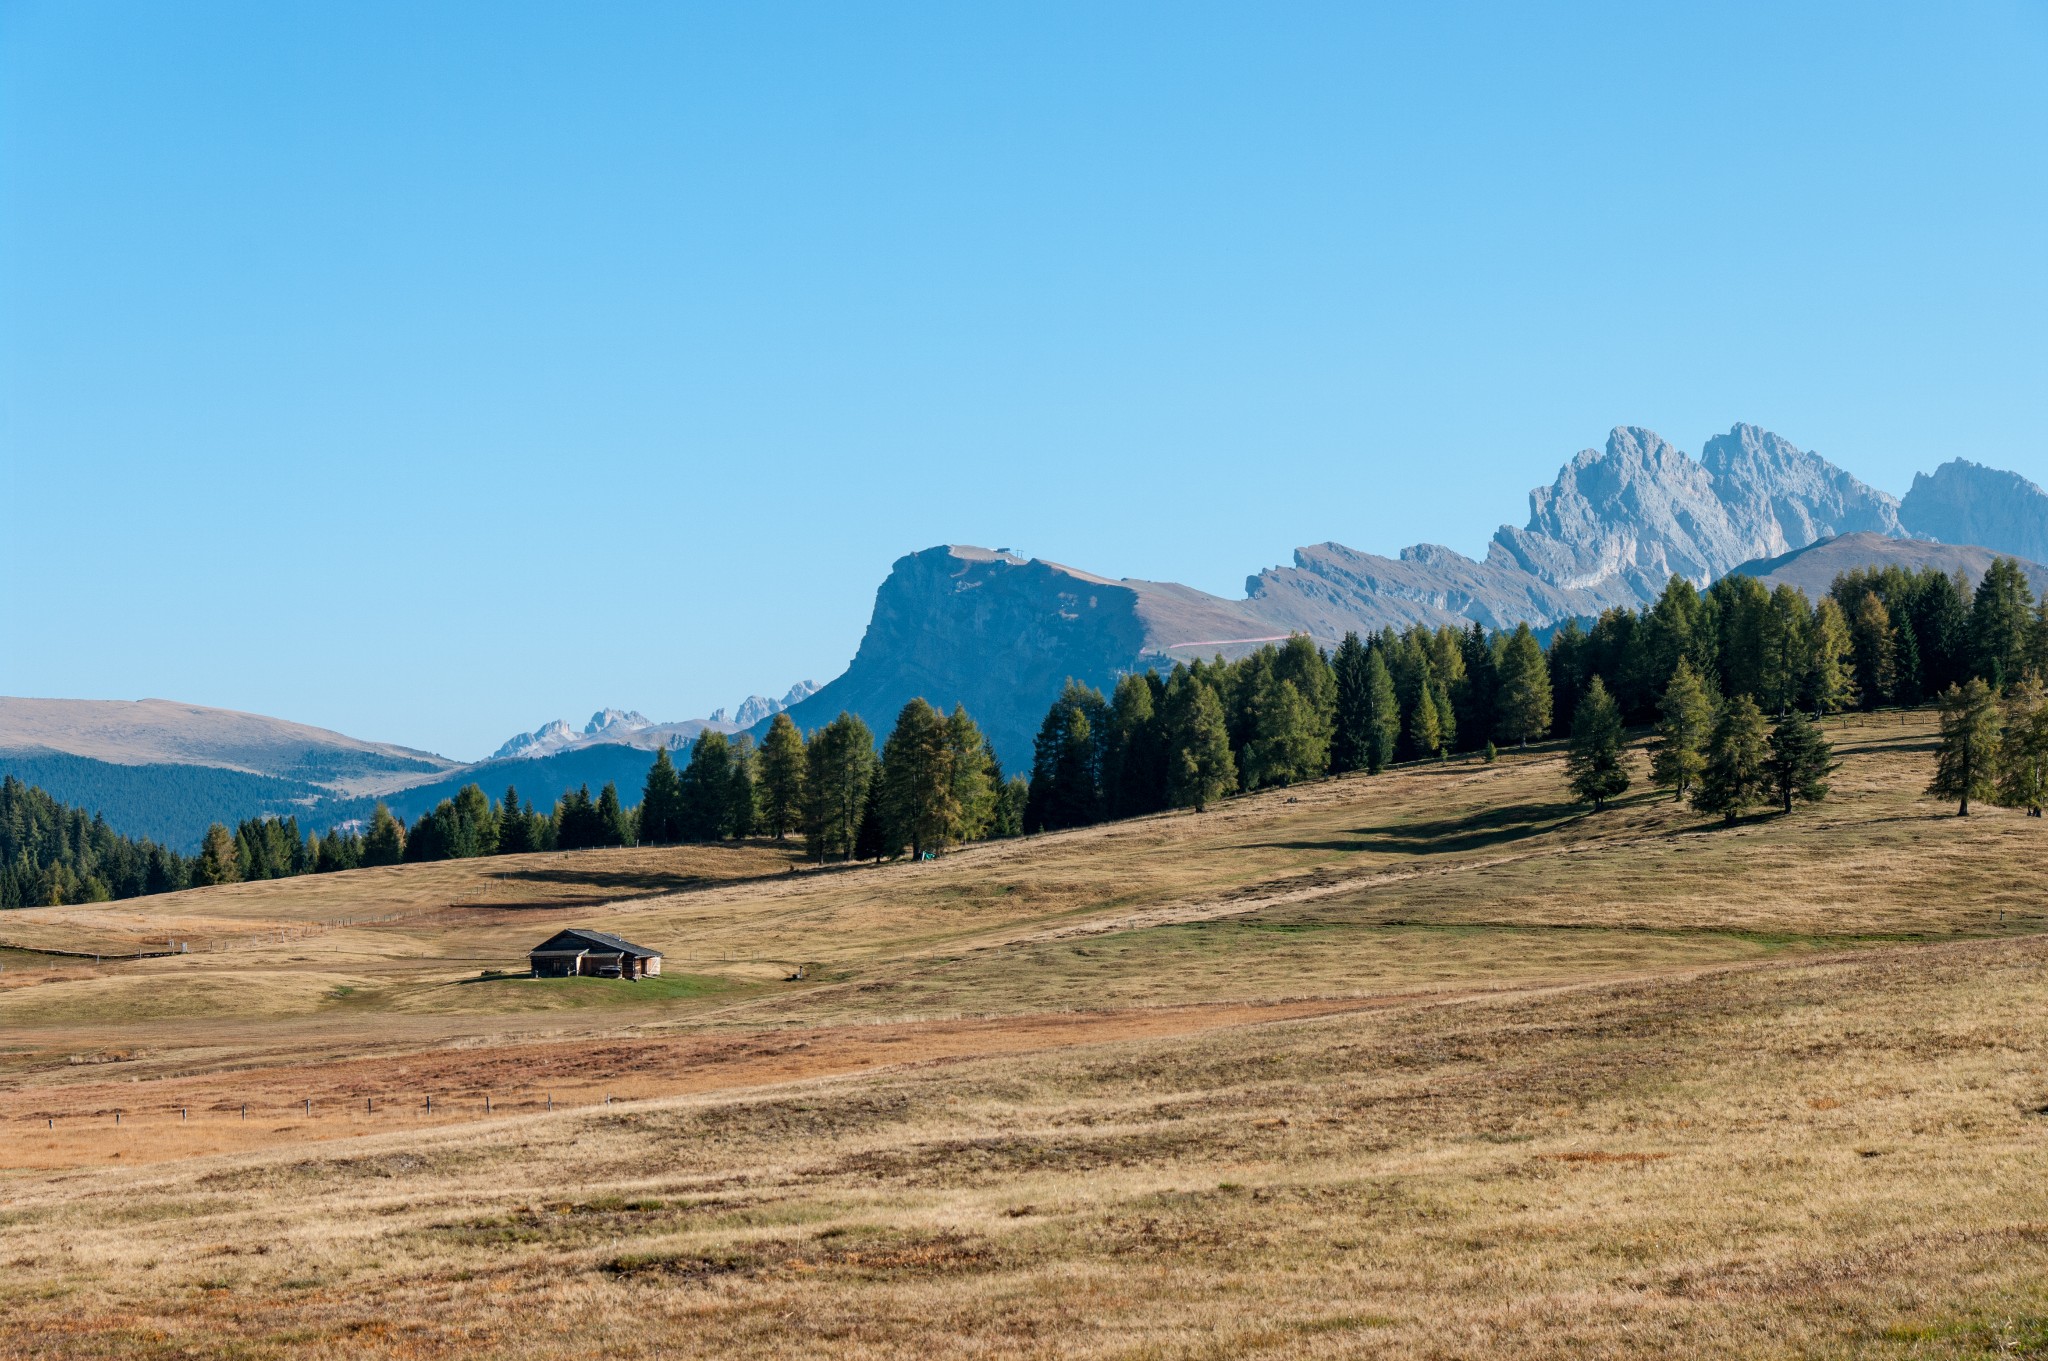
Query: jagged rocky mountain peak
x,y
1621,521
755,708
547,738
1783,497
606,720
1000,632
1965,502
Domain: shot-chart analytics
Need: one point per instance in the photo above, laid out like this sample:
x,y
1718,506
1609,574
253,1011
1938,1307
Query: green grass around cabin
x,y
519,992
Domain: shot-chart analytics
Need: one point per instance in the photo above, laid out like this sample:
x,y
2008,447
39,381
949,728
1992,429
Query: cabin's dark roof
x,y
577,941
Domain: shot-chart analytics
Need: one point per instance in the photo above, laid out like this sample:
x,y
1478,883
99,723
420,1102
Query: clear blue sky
x,y
430,370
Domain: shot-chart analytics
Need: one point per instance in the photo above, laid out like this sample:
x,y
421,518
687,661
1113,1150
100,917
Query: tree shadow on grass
x,y
646,881
1476,831
600,887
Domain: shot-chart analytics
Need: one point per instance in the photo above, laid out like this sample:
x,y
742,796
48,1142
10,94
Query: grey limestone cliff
x,y
1965,502
1620,522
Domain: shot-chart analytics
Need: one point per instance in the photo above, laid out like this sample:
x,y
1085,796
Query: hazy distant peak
x,y
605,720
1965,502
547,738
757,707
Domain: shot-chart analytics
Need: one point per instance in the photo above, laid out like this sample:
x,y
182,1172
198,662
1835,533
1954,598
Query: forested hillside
x,y
51,853
169,804
1291,713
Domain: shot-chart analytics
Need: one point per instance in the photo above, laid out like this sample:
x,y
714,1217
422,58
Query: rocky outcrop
x,y
1620,522
1780,497
1001,634
1965,502
548,737
615,722
754,708
1331,590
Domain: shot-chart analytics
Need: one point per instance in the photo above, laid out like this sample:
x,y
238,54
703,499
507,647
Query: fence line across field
x,y
425,1104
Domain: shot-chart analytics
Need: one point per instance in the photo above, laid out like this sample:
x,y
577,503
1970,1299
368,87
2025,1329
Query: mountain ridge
x,y
1611,530
1001,632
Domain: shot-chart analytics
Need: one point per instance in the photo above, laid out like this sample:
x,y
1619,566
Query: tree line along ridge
x,y
1704,668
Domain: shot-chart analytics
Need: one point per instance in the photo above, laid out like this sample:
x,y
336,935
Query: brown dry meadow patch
x,y
1424,1065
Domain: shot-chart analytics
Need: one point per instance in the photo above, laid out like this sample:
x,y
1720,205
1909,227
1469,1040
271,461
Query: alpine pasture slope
x,y
1426,1064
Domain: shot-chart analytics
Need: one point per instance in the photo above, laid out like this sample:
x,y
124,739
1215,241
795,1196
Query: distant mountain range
x,y
629,727
163,770
1001,632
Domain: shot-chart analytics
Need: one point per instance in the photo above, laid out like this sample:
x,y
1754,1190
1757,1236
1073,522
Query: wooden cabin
x,y
593,954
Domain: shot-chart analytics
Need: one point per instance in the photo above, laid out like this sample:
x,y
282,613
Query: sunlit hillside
x,y
1427,1063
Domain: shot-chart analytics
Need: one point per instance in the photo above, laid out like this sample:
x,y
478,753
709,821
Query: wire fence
x,y
357,1109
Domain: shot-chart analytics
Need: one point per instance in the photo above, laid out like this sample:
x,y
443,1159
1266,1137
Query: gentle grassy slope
x,y
1429,1064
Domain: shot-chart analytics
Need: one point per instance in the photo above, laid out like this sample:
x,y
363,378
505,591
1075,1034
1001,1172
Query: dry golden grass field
x,y
1427,1064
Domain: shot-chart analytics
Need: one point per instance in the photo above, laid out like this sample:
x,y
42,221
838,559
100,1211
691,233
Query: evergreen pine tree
x,y
218,860
1908,688
1569,662
1831,683
1687,721
1013,794
2001,622
917,804
975,773
1477,697
781,777
742,796
1301,663
839,765
1941,622
1286,744
1446,720
1677,626
1383,713
384,844
1349,736
1872,646
613,826
871,839
1524,703
1426,720
1066,761
1787,632
1799,760
476,825
515,825
577,825
1594,764
1134,757
2023,749
1734,779
1966,761
661,803
1741,608
705,797
1200,768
